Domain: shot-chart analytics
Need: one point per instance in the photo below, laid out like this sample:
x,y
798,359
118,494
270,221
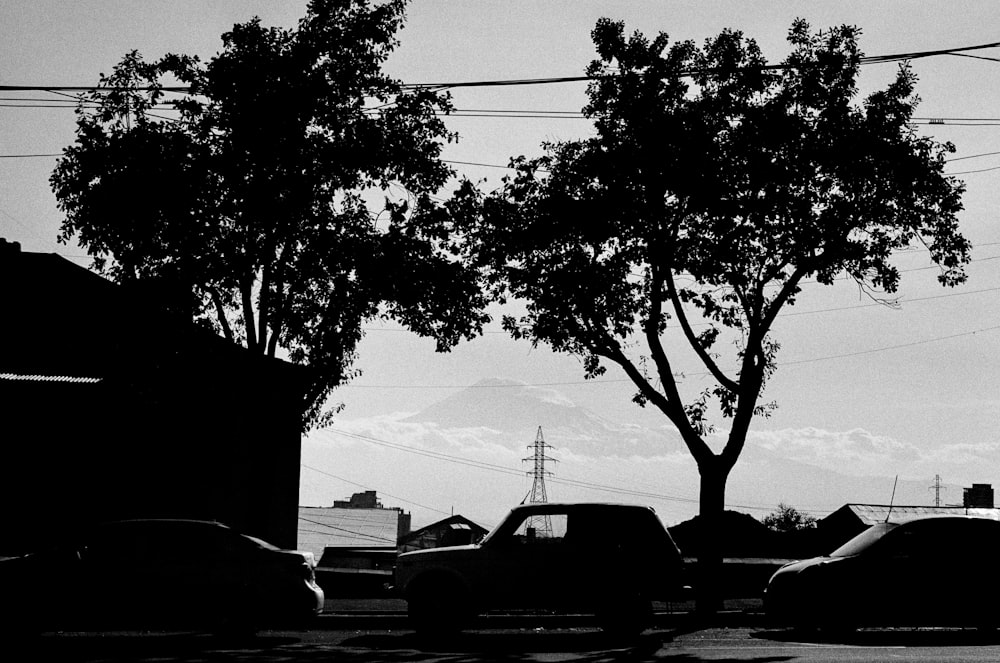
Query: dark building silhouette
x,y
365,500
112,408
979,496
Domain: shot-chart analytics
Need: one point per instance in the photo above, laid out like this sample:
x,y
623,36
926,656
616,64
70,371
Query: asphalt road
x,y
510,641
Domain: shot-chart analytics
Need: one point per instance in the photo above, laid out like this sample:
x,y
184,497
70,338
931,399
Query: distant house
x,y
112,408
452,531
852,519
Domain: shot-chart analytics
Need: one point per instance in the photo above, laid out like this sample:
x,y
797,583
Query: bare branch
x,y
692,338
264,307
220,314
670,406
246,294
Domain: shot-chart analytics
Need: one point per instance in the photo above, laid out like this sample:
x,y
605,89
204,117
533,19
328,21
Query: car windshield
x,y
865,540
262,543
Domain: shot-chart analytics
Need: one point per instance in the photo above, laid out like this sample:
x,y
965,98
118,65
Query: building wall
x,y
323,527
980,496
180,424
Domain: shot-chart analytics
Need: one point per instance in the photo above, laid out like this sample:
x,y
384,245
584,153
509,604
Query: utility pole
x,y
937,489
542,525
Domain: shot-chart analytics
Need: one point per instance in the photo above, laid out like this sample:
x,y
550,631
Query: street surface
x,y
342,642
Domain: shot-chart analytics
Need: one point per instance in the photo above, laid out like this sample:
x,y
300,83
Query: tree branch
x,y
278,316
702,353
246,294
264,306
781,299
754,366
669,404
220,313
652,331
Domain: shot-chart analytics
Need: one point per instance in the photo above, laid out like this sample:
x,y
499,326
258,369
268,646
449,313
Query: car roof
x,y
161,521
940,516
582,504
579,506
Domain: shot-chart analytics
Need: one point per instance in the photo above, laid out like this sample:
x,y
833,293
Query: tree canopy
x,y
249,207
714,185
787,518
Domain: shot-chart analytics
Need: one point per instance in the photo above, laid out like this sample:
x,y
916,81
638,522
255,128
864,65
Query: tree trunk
x,y
712,504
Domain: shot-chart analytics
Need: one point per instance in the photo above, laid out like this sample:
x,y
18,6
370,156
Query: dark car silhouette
x,y
933,570
160,573
608,559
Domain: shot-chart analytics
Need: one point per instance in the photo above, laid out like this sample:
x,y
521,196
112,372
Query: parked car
x,y
608,559
160,573
934,570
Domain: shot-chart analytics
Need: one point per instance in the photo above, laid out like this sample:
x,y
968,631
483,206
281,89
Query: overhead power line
x,y
576,483
354,483
504,469
347,531
891,347
605,381
866,60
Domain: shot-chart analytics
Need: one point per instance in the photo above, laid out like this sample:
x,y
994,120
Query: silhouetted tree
x,y
788,519
250,211
713,187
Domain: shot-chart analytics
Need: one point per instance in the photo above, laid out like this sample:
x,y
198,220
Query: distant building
x,y
365,500
852,519
452,531
115,408
980,495
358,523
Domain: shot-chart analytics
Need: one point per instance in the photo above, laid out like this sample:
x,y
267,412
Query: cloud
x,y
481,472
855,451
858,452
977,460
433,469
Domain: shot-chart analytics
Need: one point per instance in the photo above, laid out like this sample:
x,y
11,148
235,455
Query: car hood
x,y
445,550
794,568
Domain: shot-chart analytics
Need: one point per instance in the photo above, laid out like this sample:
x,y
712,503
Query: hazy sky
x,y
924,377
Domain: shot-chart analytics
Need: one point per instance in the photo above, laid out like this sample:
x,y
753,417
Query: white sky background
x,y
923,378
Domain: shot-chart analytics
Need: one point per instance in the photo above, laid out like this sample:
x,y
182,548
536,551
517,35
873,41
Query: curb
x,y
398,620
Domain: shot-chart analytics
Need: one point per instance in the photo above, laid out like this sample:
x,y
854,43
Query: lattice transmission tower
x,y
541,524
937,488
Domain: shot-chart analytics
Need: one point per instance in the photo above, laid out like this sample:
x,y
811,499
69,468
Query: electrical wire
x,y
576,483
890,347
183,89
347,531
605,381
501,469
354,483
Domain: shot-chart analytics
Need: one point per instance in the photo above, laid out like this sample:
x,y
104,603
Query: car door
x,y
527,567
116,577
966,580
917,574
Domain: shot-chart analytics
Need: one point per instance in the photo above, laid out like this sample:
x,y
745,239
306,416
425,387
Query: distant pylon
x,y
937,489
541,524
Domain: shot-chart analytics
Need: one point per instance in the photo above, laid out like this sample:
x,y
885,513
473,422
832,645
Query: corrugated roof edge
x,y
17,377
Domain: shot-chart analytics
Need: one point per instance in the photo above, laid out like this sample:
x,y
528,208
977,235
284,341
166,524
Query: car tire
x,y
438,605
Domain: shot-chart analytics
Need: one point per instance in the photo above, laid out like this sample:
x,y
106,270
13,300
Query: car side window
x,y
117,546
539,530
927,540
976,542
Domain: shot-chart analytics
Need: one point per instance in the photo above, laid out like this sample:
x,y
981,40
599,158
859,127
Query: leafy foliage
x,y
788,519
713,187
251,211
